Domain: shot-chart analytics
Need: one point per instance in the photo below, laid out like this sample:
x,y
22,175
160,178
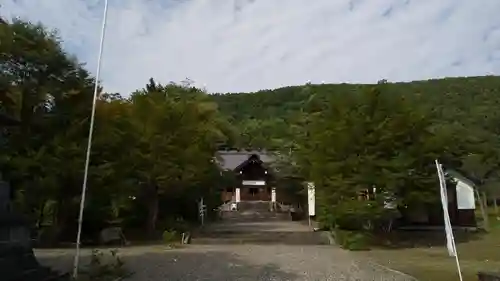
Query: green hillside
x,y
152,154
265,117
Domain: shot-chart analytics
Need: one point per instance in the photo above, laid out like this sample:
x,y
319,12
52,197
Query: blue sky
x,y
247,45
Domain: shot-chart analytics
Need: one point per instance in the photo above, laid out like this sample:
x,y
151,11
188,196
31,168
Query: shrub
x,y
352,240
170,236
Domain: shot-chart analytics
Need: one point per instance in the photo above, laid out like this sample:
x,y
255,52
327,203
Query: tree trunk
x,y
41,215
485,199
486,225
152,202
495,205
59,220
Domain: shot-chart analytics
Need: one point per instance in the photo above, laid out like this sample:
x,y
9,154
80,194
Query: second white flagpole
x,y
447,223
89,143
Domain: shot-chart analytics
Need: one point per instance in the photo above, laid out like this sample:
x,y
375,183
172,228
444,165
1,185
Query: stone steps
x,y
253,216
261,238
258,206
255,223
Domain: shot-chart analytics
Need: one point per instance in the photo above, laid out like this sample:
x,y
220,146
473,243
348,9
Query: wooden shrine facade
x,y
253,174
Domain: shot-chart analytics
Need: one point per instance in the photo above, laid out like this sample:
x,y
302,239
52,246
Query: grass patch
x,y
431,262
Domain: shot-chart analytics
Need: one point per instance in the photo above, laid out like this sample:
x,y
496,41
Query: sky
x,y
249,45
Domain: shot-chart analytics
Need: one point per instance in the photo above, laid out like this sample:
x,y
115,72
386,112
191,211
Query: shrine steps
x,y
254,223
249,216
261,206
262,238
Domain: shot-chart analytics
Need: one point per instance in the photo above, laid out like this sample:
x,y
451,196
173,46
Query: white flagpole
x,y
89,144
444,204
311,199
450,240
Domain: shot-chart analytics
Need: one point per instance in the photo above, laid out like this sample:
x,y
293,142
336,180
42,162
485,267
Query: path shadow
x,y
179,264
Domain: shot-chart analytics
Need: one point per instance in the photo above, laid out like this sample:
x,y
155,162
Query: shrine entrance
x,y
254,181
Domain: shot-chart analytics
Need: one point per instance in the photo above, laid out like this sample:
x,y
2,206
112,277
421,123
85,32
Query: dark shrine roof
x,y
231,159
460,175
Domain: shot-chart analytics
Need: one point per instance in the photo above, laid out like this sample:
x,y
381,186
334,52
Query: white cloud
x,y
247,45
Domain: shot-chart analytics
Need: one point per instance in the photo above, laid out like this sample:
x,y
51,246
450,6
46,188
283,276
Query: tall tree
x,y
372,140
51,95
176,132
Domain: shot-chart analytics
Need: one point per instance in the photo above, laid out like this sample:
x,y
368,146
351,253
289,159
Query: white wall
x,y
465,196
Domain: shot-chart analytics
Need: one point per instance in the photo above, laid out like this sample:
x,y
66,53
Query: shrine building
x,y
255,177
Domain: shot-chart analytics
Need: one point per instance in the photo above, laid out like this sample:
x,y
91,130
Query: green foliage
x,y
170,236
352,240
348,138
353,137
153,153
156,146
356,215
365,141
459,102
50,93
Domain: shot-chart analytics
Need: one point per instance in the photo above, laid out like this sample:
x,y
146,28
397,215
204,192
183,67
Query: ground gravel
x,y
239,263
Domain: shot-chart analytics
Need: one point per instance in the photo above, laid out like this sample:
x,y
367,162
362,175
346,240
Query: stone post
x,y
238,195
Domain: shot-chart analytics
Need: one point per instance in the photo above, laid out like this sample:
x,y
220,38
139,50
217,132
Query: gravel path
x,y
239,263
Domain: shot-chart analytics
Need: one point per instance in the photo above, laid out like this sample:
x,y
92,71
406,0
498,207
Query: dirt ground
x,y
236,262
479,252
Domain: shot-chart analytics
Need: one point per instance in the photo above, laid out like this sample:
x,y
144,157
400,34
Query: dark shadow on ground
x,y
399,239
177,265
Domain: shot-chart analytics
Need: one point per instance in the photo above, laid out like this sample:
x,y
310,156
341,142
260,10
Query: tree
x,y
175,132
159,144
371,141
51,95
157,147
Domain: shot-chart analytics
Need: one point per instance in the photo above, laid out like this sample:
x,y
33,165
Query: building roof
x,y
458,175
230,160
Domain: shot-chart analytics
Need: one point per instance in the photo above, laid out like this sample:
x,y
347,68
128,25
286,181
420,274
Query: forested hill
x,y
264,118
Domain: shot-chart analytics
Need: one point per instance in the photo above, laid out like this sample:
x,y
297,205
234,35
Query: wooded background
x,y
153,151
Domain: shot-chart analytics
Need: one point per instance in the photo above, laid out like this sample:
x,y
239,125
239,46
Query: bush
x,y
357,215
352,240
179,225
170,236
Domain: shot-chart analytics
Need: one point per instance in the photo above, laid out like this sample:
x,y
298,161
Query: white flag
x,y
311,199
444,202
